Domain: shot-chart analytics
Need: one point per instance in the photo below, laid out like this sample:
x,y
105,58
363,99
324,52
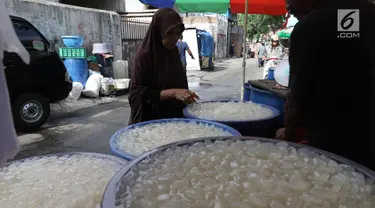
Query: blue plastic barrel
x,y
72,41
271,74
77,69
264,127
264,97
246,92
120,153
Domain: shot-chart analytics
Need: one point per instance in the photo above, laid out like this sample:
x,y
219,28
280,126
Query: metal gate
x,y
134,26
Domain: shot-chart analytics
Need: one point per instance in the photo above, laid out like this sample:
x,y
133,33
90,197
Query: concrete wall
x,y
236,35
110,5
217,25
222,39
55,20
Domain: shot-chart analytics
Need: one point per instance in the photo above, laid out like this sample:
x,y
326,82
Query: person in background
x,y
261,53
9,144
286,53
159,86
249,52
105,60
318,108
183,47
231,51
274,49
93,64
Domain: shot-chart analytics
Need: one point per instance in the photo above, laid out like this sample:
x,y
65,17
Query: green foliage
x,y
258,24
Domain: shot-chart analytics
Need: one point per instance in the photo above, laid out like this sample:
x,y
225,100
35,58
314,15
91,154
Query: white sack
x,y
76,91
92,87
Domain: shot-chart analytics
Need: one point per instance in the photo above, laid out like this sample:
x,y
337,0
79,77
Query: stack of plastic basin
x,y
264,127
117,151
117,193
77,67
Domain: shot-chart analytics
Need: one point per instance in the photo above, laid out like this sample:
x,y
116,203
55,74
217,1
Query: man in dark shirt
x,y
183,47
330,96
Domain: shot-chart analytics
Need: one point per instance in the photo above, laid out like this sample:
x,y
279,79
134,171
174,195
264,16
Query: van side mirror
x,y
52,45
51,48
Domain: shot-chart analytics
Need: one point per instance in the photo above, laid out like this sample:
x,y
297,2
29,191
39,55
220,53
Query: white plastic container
x,y
104,86
121,84
120,69
99,48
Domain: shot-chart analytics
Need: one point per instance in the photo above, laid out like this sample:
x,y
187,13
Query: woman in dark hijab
x,y
159,87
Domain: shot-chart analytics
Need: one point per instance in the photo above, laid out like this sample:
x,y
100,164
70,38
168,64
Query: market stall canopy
x,y
159,3
270,7
216,6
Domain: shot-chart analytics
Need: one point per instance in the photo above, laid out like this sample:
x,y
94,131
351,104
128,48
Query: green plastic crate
x,y
73,53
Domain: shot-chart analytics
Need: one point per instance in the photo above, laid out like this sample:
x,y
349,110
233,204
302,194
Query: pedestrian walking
x,y
159,86
261,53
183,47
318,108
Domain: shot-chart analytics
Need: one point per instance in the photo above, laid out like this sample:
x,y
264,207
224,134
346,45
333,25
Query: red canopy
x,y
270,7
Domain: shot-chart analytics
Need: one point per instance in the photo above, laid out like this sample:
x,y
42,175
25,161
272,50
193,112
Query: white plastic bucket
x,y
120,69
121,84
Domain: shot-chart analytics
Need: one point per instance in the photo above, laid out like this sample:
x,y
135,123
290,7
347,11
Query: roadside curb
x,y
70,106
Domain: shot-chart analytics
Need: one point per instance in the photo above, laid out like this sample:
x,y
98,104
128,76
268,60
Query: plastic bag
x,y
265,70
269,64
76,91
282,73
92,87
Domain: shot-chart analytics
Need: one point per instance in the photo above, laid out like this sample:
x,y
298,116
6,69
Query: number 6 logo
x,y
347,18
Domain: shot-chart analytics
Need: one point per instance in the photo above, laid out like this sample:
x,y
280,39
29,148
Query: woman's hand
x,y
185,95
280,134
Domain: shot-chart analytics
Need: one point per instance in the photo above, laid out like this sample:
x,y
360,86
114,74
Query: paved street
x,y
72,128
226,81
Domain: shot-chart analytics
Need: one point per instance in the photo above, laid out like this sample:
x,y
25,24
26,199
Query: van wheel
x,y
30,111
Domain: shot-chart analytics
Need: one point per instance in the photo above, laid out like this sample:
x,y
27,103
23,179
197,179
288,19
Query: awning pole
x,y
244,44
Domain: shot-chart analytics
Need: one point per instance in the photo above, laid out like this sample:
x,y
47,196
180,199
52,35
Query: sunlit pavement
x,y
89,129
